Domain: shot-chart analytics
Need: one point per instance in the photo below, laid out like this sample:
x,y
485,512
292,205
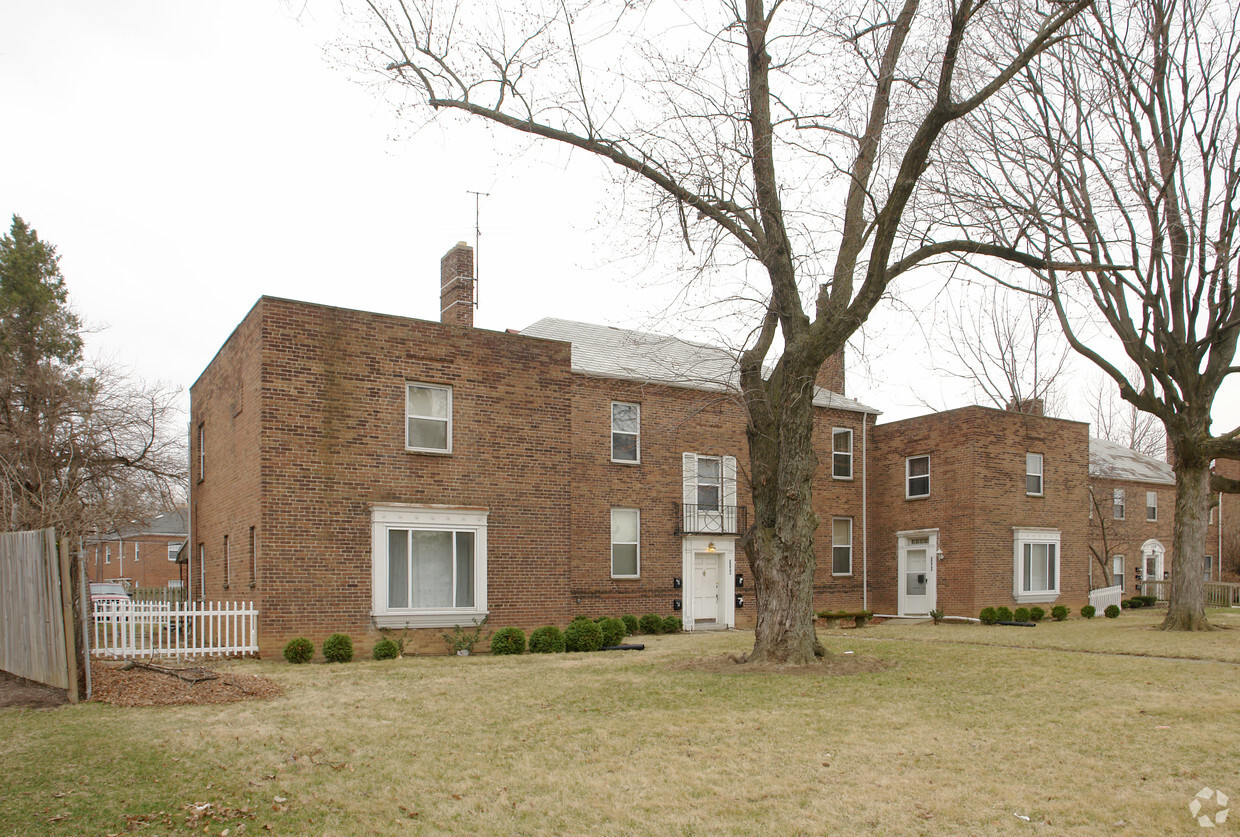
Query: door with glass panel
x,y
917,573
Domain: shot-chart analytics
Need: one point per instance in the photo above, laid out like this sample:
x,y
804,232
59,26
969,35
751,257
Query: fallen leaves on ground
x,y
143,687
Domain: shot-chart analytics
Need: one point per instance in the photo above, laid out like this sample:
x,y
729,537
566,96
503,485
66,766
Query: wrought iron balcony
x,y
693,519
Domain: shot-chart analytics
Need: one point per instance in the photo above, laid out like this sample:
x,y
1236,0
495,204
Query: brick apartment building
x,y
1132,517
355,471
141,554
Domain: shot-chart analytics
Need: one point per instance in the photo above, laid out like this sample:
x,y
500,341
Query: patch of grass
x,y
549,744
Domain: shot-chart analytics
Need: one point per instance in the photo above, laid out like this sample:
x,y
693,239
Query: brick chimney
x,y
1028,406
456,286
831,373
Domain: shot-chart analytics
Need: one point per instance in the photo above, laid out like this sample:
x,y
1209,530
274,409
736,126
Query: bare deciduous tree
x,y
1115,420
1009,349
1125,151
790,137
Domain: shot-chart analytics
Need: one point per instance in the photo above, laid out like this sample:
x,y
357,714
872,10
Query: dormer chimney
x,y
456,286
831,373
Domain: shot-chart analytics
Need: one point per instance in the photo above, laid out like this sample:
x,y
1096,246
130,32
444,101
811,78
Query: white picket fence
x,y
158,629
1104,596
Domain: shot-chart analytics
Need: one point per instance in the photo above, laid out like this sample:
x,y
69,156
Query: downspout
x,y
865,527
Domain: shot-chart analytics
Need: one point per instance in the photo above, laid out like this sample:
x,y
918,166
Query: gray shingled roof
x,y
171,523
1111,461
607,352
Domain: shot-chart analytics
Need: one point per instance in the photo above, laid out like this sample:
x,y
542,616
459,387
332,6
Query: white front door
x,y
917,572
706,587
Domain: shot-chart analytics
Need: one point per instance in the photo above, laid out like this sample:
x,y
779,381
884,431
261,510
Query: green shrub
x,y
1149,601
1127,603
547,640
672,625
580,617
1059,612
300,650
630,623
1005,614
583,635
651,623
613,631
508,641
1111,612
338,648
1021,615
1036,614
1088,611
988,616
385,649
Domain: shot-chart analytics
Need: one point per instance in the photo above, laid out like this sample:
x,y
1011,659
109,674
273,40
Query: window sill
x,y
1034,494
917,497
842,479
626,462
841,575
626,578
435,619
426,452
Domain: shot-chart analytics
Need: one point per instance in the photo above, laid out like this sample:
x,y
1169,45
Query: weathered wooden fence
x,y
36,610
156,629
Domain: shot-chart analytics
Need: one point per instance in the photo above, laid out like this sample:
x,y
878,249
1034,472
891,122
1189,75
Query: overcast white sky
x,y
186,158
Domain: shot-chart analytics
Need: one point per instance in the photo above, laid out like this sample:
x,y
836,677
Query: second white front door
x,y
918,573
706,587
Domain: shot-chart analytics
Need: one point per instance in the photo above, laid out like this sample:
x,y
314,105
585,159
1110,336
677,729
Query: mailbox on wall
x,y
740,601
676,584
676,605
740,580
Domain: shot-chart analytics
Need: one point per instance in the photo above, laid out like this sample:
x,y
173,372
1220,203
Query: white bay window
x,y
1036,565
428,565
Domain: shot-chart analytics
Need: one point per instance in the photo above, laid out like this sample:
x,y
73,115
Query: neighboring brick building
x,y
1132,518
142,554
978,507
355,471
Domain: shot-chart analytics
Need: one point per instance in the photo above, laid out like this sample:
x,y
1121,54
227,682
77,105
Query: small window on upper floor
x,y
428,418
842,453
1151,506
1033,474
917,476
1117,504
626,425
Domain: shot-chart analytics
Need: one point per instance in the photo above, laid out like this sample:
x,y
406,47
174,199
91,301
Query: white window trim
x,y
107,554
173,549
426,517
611,439
834,545
1121,506
1040,474
1033,535
908,477
447,421
612,556
1151,495
838,431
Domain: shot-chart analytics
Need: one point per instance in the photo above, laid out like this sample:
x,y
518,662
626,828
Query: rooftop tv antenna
x,y
478,196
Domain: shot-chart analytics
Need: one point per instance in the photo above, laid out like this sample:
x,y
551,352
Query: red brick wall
x,y
151,569
977,496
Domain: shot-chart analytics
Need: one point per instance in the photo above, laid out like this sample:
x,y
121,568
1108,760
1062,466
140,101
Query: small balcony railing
x,y
692,519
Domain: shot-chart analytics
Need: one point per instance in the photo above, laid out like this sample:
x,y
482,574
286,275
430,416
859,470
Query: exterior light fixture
x,y
710,547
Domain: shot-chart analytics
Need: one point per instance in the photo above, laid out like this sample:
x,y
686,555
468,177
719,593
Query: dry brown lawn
x,y
940,730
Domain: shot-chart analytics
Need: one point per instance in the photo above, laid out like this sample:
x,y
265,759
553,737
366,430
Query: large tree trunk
x,y
1192,498
781,543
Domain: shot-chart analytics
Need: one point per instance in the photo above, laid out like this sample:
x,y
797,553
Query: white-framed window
x,y
626,427
1117,570
173,549
429,565
842,453
841,546
1209,568
1036,565
1033,474
1117,503
1151,506
709,483
625,543
107,555
917,476
428,418
136,551
202,451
